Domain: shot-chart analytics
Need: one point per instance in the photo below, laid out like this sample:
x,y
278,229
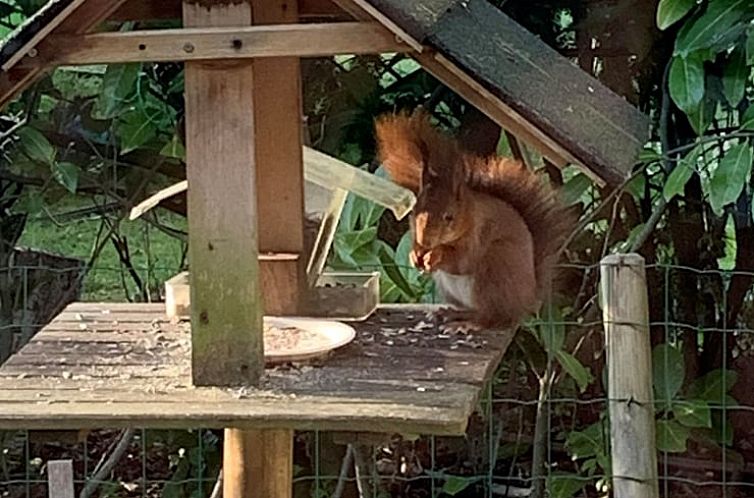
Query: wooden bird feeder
x,y
126,364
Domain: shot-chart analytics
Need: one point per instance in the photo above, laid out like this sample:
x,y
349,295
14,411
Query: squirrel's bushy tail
x,y
549,221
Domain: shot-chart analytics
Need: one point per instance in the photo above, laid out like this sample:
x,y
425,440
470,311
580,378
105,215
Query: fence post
x,y
60,479
629,376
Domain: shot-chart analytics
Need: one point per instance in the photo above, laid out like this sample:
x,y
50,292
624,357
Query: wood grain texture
x,y
60,479
629,364
222,211
278,118
518,81
261,463
116,365
146,10
300,40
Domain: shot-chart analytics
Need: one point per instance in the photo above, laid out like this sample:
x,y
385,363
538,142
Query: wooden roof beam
x,y
150,10
78,17
299,40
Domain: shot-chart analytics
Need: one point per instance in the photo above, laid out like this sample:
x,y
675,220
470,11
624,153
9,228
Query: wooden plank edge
x,y
190,44
456,424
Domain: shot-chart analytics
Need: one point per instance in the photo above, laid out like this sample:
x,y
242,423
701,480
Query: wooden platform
x,y
111,365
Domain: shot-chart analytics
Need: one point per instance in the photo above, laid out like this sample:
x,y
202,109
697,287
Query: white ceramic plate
x,y
317,338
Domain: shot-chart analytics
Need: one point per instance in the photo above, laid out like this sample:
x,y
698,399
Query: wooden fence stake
x,y
60,479
629,364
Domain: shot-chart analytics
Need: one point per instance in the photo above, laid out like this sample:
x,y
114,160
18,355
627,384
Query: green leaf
x,y
730,176
455,484
118,84
715,29
134,130
36,145
701,118
686,82
750,45
575,369
649,155
668,370
174,149
713,386
552,330
681,174
574,189
394,273
670,12
66,174
676,181
735,75
747,120
31,203
692,413
565,485
671,436
587,443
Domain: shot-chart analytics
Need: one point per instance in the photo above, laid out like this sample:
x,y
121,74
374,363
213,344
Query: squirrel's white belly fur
x,y
455,290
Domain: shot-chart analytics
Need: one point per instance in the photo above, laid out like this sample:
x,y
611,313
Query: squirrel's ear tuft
x,y
400,149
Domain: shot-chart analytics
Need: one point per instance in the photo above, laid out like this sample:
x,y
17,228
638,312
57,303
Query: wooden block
x,y
60,479
178,296
258,463
147,10
280,280
226,318
279,156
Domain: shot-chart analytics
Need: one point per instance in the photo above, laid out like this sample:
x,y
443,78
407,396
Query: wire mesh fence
x,y
546,403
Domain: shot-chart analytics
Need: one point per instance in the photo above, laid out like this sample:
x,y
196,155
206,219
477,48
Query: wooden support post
x,y
226,318
60,479
629,363
280,171
258,463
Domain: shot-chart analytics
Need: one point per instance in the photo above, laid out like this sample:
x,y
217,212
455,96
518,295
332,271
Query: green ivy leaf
x,y
735,75
668,370
36,145
455,484
575,369
729,177
393,272
693,413
134,130
715,29
670,12
174,148
701,118
686,82
574,189
66,174
712,386
565,485
671,436
747,120
681,174
118,84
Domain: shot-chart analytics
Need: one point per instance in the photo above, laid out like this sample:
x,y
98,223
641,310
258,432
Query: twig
x,y
654,219
359,464
217,491
343,476
588,219
103,470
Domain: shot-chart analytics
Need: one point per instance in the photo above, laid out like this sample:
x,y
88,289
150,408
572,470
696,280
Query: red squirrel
x,y
488,229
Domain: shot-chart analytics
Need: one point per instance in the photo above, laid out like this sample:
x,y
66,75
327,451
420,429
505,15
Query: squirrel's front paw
x,y
433,259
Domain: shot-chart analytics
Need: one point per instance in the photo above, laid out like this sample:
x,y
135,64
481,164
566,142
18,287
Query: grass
x,y
154,255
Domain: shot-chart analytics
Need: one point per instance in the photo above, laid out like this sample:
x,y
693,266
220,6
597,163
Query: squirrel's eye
x,y
447,217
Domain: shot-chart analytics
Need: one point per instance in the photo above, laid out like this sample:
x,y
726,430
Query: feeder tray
x,y
339,296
